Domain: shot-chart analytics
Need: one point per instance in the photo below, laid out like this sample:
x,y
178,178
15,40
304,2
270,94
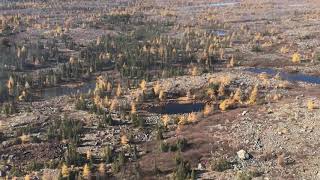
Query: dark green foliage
x,y
117,18
193,175
183,169
134,152
35,166
214,86
108,120
52,164
115,167
2,138
93,109
178,158
243,176
118,163
179,146
8,108
72,157
137,121
100,124
247,175
67,129
221,165
137,171
28,109
30,128
71,130
53,132
99,111
160,132
107,154
81,104
256,48
164,147
35,139
121,158
74,174
16,171
17,140
317,56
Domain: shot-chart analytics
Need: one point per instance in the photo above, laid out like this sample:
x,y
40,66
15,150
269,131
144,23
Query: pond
x,y
177,108
221,4
293,77
202,6
66,90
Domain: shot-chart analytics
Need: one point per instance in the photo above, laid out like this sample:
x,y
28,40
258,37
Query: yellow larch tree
x,y
192,117
98,41
284,50
133,108
237,95
106,101
72,60
27,177
182,120
10,85
97,100
124,140
119,91
208,109
232,62
64,170
109,87
86,171
102,169
113,105
226,104
22,96
156,88
277,76
25,138
188,48
143,85
310,105
221,90
221,51
165,119
253,95
296,58
263,76
161,95
194,71
211,94
89,155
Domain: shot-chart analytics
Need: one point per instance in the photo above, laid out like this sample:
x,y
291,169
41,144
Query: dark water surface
x,y
176,108
65,90
293,77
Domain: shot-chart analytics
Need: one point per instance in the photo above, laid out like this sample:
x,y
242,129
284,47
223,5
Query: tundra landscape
x,y
159,89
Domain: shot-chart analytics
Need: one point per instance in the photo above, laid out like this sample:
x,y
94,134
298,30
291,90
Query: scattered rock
x,y
243,155
244,113
200,167
2,174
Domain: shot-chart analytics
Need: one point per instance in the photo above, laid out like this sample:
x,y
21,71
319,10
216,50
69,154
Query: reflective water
x,y
221,4
287,76
176,108
66,90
